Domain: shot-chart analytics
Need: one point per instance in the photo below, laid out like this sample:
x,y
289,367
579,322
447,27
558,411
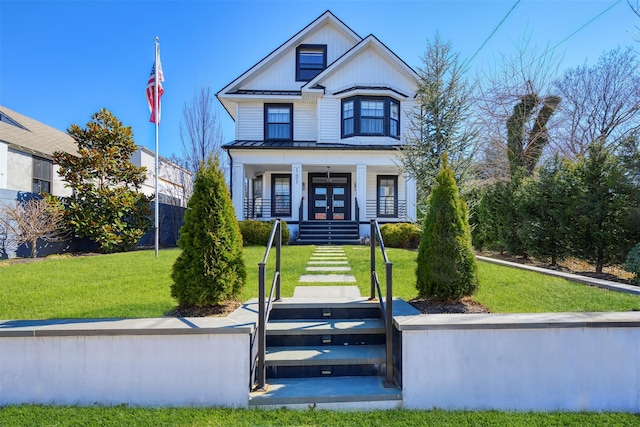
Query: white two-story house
x,y
318,125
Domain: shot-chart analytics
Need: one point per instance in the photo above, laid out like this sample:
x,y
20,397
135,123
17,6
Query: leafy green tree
x,y
210,268
603,208
442,122
106,205
446,263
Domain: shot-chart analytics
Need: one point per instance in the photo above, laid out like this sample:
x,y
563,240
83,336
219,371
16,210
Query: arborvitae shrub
x,y
210,268
446,263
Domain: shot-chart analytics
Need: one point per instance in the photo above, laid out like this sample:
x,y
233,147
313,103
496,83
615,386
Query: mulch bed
x,y
219,310
436,306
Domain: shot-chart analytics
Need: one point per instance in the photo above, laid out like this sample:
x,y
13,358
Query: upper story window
x,y
42,169
372,116
278,122
311,59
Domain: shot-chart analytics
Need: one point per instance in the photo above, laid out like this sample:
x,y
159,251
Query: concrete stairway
x,y
328,233
325,346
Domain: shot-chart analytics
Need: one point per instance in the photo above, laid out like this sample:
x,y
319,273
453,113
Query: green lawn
x,y
136,284
127,416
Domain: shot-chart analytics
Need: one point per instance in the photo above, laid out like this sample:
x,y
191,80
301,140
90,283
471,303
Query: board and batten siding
x,y
281,73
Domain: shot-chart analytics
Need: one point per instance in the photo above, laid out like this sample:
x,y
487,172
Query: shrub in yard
x,y
633,262
210,268
446,263
256,232
401,235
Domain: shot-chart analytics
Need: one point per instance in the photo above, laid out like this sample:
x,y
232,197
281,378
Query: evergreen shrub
x,y
633,262
446,262
403,235
256,233
210,268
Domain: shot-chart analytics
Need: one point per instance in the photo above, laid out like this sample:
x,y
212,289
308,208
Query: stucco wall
x,y
150,362
538,362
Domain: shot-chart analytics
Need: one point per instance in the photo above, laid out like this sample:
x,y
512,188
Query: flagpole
x,y
157,113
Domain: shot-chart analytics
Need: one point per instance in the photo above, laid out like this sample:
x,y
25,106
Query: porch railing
x,y
264,304
386,305
259,207
387,208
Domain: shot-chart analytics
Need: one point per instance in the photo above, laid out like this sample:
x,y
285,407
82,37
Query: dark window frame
x,y
275,212
267,123
316,48
395,196
357,116
39,179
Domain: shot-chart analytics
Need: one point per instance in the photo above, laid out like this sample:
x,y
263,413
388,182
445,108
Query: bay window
x,y
370,116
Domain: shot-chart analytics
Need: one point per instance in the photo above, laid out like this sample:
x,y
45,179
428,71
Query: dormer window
x,y
311,59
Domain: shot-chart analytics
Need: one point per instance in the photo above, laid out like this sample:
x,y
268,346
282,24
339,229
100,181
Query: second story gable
x,y
326,85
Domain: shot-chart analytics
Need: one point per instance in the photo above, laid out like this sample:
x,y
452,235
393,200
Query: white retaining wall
x,y
150,362
522,362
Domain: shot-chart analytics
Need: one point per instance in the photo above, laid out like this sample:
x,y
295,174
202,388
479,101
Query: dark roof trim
x,y
305,145
265,92
352,88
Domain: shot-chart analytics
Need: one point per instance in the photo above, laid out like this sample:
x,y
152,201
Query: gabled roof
x,y
370,41
323,19
31,136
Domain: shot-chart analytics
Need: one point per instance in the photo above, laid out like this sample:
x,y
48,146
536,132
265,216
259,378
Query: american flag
x,y
151,91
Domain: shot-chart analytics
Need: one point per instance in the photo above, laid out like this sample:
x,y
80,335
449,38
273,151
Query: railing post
x,y
389,326
278,247
372,257
262,327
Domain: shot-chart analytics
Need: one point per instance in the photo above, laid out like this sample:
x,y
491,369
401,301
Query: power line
x,y
494,31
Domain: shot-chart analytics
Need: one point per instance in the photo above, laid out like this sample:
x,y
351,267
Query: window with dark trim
x,y
311,59
280,195
371,116
387,200
278,122
42,169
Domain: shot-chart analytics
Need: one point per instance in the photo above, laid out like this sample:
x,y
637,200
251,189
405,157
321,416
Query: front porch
x,y
310,193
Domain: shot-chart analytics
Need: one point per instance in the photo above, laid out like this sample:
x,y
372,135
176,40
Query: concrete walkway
x,y
604,284
328,264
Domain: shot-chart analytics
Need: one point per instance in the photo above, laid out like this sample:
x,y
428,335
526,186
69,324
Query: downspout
x,y
230,173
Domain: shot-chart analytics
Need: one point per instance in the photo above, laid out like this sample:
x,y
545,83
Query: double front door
x,y
330,196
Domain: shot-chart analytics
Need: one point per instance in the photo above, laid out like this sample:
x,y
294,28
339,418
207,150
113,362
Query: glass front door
x,y
330,197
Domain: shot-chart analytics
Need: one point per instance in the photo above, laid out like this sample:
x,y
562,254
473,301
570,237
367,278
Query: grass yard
x,y
123,415
135,284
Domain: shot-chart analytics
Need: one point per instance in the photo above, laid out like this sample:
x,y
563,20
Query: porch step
x,y
328,393
329,232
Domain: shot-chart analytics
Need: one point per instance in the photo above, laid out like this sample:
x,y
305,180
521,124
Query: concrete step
x,y
325,326
325,355
327,393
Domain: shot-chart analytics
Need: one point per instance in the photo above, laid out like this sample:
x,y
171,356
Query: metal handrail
x,y
264,305
386,305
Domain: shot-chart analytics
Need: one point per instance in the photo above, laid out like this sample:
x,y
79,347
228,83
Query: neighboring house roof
x,y
305,145
31,136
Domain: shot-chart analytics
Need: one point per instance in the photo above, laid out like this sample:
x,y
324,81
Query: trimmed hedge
x,y
257,233
403,235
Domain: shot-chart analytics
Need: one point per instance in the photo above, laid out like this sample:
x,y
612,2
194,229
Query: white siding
x,y
4,148
281,74
329,119
250,122
305,123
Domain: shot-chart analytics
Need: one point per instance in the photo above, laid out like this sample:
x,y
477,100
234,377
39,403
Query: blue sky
x,y
61,61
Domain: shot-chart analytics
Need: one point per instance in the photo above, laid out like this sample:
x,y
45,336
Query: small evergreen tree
x,y
210,268
446,263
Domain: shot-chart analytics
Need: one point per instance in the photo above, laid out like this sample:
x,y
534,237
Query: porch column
x,y
296,190
411,196
361,190
237,189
